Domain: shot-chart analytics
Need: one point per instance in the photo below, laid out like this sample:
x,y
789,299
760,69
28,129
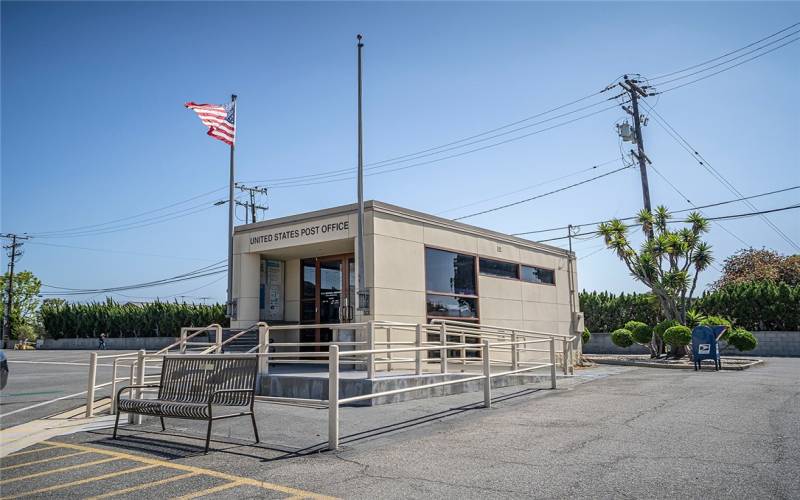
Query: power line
x,y
724,55
708,68
456,155
717,204
79,228
478,202
132,225
722,217
106,250
408,156
211,269
692,204
507,205
715,173
728,68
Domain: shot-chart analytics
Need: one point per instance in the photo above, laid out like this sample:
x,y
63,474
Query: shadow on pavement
x,y
152,442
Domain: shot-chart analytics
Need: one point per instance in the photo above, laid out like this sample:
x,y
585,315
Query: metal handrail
x,y
333,381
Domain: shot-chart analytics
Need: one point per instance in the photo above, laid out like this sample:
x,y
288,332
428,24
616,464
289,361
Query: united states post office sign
x,y
300,234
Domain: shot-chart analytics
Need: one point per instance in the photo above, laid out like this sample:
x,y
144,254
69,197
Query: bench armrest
x,y
144,386
223,391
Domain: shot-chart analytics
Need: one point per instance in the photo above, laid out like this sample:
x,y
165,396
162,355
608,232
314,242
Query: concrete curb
x,y
676,366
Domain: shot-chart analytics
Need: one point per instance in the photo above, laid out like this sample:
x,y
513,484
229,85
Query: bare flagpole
x,y
363,294
231,207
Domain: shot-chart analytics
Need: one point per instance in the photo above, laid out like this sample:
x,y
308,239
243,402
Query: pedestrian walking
x,y
103,345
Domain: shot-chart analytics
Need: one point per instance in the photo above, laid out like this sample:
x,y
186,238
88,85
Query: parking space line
x,y
81,481
44,460
189,468
144,486
18,453
62,469
210,491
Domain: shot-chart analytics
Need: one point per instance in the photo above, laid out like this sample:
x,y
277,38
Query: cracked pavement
x,y
610,432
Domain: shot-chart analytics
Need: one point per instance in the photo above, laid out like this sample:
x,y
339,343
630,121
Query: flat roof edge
x,y
402,212
460,226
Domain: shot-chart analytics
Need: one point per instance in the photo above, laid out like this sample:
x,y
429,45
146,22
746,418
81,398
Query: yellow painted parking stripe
x,y
188,468
81,481
62,469
43,448
145,485
210,491
44,460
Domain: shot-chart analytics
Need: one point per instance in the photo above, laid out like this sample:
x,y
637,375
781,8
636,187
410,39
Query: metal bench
x,y
191,385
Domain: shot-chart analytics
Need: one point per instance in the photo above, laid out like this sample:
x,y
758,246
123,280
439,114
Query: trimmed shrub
x,y
742,340
677,336
716,321
622,338
586,336
642,333
660,328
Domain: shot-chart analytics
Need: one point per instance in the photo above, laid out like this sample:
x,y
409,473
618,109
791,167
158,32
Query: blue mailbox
x,y
705,345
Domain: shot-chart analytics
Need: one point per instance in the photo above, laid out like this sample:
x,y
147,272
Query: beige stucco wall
x,y
395,267
399,287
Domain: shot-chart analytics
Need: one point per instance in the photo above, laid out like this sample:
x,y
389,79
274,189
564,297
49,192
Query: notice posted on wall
x,y
271,290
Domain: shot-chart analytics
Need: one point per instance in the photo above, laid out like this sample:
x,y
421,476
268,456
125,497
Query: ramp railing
x,y
374,346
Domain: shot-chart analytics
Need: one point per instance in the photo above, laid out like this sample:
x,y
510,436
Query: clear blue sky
x,y
94,129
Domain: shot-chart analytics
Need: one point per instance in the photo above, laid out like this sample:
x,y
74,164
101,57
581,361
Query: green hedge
x,y
759,306
155,319
605,312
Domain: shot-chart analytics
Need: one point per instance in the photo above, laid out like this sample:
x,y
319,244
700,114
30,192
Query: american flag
x,y
220,120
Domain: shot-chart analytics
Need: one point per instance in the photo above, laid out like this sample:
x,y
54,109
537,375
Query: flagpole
x,y
362,292
231,209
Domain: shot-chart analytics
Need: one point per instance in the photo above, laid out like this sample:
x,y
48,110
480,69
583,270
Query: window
x,y
538,275
447,306
449,272
498,268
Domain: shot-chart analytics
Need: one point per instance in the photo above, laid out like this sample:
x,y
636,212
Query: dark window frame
x,y
517,268
521,275
476,296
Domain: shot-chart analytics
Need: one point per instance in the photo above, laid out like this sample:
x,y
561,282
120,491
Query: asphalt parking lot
x,y
40,376
609,433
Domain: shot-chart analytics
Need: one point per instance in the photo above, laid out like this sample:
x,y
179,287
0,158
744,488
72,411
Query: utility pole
x,y
13,253
570,275
635,92
252,192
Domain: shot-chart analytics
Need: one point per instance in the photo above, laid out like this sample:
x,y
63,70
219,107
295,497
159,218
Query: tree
x,y
25,306
669,263
751,265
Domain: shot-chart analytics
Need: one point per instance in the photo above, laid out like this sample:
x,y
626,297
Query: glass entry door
x,y
327,296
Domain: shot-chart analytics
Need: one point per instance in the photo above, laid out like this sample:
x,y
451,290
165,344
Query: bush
x,y
25,332
660,328
716,321
642,333
742,340
694,318
586,336
605,311
622,337
756,305
677,336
